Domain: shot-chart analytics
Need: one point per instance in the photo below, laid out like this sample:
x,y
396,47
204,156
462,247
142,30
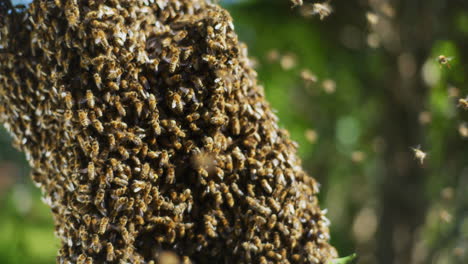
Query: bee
x,y
87,220
274,204
83,116
229,199
91,171
120,204
81,259
308,77
94,149
176,102
463,102
98,126
103,225
152,104
72,13
138,107
419,154
266,186
297,2
110,252
256,206
444,61
120,109
90,99
113,86
180,35
217,120
209,228
271,223
68,100
95,243
124,153
82,233
322,9
97,80
145,171
198,83
174,60
138,185
170,175
187,53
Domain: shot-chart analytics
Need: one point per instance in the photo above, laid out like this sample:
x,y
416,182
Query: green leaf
x,y
351,259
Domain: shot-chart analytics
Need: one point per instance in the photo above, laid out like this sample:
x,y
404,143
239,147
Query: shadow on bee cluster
x,y
147,132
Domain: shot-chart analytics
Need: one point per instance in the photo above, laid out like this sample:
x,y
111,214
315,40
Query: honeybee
x,y
419,154
170,175
81,259
120,109
83,117
97,80
322,9
90,98
274,204
91,171
98,126
110,252
444,61
210,229
68,100
103,225
94,149
266,186
124,153
174,60
297,2
463,102
95,243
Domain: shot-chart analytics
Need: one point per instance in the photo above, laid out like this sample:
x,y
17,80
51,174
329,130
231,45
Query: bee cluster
x,y
147,132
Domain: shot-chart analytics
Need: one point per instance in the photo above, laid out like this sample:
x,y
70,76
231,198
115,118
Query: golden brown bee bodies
x,y
154,137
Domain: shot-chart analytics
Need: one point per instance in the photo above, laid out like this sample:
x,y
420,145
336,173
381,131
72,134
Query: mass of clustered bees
x,y
147,132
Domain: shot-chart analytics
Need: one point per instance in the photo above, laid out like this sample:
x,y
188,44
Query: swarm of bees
x,y
146,130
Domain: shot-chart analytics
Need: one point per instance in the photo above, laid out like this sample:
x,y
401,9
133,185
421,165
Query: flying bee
x,y
419,154
297,3
463,102
444,61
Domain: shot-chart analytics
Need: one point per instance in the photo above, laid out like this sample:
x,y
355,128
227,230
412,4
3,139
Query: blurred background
x,y
357,89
